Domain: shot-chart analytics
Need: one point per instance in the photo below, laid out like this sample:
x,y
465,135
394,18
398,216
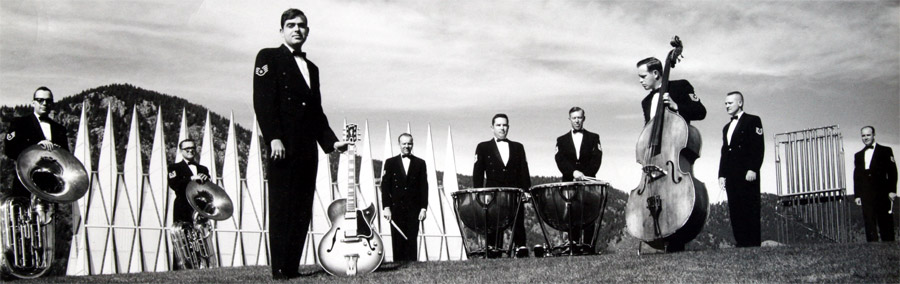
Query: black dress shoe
x,y
284,275
522,252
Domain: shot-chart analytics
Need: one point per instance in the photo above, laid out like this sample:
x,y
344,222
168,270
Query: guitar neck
x,y
351,180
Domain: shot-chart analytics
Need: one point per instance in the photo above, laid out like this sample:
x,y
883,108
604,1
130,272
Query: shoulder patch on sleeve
x,y
694,97
11,135
759,131
557,149
172,174
599,146
261,71
476,157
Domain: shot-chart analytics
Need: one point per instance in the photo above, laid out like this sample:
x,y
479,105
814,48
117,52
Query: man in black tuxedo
x,y
502,163
35,128
579,155
404,195
742,156
875,184
680,97
288,106
180,174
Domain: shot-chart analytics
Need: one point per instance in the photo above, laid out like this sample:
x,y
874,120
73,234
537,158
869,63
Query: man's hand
x,y
578,175
386,213
422,214
667,101
47,145
858,201
342,145
278,151
200,178
722,183
751,176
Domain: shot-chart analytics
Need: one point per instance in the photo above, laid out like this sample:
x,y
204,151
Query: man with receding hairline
x,y
875,186
288,106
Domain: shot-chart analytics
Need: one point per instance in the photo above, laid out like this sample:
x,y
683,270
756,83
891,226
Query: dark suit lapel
x,y
497,152
292,66
36,125
398,164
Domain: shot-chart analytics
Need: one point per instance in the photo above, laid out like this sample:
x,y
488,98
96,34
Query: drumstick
x,y
398,230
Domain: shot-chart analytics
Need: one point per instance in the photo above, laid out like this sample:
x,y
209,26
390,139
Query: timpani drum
x,y
570,208
485,213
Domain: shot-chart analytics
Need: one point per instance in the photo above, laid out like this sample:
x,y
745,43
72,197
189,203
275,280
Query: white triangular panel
x,y
230,248
455,243
319,224
107,173
182,134
127,241
433,235
387,152
124,228
78,260
208,150
253,211
366,170
155,203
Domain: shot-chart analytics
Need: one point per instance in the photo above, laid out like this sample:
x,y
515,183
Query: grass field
x,y
868,263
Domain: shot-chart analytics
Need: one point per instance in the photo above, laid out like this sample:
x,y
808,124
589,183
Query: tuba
x,y
26,228
192,241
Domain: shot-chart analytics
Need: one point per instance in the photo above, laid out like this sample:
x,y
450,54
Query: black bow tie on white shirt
x,y
868,147
299,53
404,155
734,117
577,130
503,140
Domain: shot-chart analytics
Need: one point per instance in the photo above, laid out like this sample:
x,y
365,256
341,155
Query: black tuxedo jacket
x,y
26,131
881,177
489,170
682,93
745,153
404,191
589,160
179,177
287,108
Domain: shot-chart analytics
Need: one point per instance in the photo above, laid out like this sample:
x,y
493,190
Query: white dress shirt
x,y
301,62
45,128
733,124
868,153
576,140
405,163
503,147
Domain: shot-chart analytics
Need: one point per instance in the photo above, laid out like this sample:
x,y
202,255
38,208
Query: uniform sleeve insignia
x,y
599,147
557,149
759,131
11,135
172,174
261,71
694,97
476,157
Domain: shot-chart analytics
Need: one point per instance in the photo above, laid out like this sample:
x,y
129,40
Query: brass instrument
x,y
192,241
26,228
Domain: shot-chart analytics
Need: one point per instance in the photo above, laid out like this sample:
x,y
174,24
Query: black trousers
x,y
743,208
292,186
877,220
408,221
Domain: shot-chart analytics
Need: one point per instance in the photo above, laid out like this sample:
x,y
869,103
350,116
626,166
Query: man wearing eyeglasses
x,y
180,175
35,128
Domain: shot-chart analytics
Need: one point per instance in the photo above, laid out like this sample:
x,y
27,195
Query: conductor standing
x,y
288,105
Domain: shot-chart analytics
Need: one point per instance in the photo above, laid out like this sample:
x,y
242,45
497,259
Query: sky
x,y
454,64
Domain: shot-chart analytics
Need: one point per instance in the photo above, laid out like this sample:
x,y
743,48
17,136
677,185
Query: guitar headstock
x,y
351,133
675,54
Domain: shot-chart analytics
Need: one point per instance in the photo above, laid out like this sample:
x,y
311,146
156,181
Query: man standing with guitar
x,y
404,194
288,105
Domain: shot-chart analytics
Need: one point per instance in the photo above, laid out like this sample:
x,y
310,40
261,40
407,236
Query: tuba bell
x,y
192,241
26,224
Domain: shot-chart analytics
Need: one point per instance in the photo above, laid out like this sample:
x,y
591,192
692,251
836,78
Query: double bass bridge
x,y
654,172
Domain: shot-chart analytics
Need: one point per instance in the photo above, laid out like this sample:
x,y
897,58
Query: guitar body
x,y
344,252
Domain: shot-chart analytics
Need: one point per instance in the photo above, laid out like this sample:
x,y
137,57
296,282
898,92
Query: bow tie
x,y
191,163
503,140
405,155
577,131
868,147
734,117
43,119
299,53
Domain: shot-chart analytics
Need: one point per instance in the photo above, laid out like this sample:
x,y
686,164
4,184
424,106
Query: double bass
x,y
669,207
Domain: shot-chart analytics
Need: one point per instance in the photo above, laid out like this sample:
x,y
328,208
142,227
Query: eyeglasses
x,y
188,148
43,100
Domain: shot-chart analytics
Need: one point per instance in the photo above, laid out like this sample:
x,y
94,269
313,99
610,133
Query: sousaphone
x,y
192,241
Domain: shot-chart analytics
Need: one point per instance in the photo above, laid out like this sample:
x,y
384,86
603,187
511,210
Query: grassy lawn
x,y
860,262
